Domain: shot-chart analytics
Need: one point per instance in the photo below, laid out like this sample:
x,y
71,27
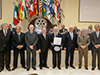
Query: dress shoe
x,y
28,69
24,67
93,68
8,69
66,67
46,66
79,67
86,68
13,68
54,67
40,67
59,68
98,68
72,67
1,70
34,68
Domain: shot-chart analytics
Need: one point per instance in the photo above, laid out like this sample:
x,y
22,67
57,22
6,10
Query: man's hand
x,y
52,44
20,47
63,32
83,47
39,50
49,49
64,48
97,46
31,47
61,47
75,48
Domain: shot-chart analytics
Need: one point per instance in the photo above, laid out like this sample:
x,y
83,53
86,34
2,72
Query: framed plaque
x,y
0,9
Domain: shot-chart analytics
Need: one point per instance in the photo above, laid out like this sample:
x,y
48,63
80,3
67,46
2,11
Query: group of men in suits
x,y
31,39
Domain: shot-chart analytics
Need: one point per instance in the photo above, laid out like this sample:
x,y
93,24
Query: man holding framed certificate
x,y
56,42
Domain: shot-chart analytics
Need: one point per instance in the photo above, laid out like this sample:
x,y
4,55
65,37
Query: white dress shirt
x,y
71,35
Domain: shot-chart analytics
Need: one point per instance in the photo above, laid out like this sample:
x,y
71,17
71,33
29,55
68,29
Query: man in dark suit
x,y
18,41
31,39
43,46
95,40
13,30
56,54
63,30
69,45
76,31
5,47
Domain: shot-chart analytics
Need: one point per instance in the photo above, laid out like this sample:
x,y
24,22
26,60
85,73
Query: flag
x,y
31,8
15,15
23,10
56,11
43,9
26,5
59,13
20,9
36,7
47,10
50,8
40,6
53,8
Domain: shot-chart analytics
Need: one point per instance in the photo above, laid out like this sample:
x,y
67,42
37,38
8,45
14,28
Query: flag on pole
x,y
43,8
50,8
56,11
15,15
31,9
36,6
20,9
40,6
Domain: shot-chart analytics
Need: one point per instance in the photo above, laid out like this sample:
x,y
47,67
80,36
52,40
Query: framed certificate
x,y
57,41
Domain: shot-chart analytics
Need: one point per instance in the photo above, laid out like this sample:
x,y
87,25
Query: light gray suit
x,y
83,41
95,41
31,39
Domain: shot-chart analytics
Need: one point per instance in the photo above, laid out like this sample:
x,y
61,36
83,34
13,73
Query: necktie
x,y
5,33
19,38
83,36
44,36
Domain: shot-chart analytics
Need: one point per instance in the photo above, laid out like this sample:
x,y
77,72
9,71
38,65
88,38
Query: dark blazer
x,y
52,38
95,40
76,31
43,44
68,43
15,40
5,40
61,30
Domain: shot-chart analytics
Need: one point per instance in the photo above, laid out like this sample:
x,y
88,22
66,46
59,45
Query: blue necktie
x,y
19,37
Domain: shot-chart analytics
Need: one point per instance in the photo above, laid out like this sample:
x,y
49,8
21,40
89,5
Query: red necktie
x,y
5,33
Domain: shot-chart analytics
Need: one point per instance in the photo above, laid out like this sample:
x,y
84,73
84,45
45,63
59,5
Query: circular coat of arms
x,y
39,24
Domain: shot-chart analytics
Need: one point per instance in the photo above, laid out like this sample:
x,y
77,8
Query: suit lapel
x,y
69,35
96,35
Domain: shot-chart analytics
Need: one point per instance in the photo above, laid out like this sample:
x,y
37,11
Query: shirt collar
x,y
18,33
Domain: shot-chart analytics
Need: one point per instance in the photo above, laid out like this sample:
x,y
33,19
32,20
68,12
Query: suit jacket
x,y
68,43
52,38
43,44
15,41
31,39
5,41
95,40
61,30
76,31
13,30
83,41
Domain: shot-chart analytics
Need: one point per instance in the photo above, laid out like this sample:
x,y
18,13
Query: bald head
x,y
44,30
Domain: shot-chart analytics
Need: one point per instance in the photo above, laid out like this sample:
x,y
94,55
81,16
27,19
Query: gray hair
x,y
71,27
55,28
83,29
17,26
97,25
